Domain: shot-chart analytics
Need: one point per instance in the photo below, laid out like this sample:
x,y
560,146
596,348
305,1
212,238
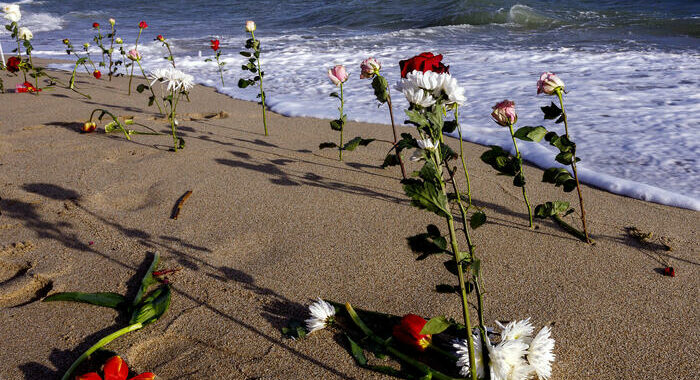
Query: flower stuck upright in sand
x,y
254,65
322,315
178,84
12,13
142,26
215,46
166,44
115,369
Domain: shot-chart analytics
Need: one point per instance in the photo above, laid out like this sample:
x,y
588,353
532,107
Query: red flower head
x,y
116,369
143,25
13,64
160,38
97,74
424,62
87,128
407,331
95,25
215,45
669,271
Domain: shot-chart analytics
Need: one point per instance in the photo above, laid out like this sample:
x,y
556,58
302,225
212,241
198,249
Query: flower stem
x,y
172,118
262,92
221,70
19,55
461,157
136,46
111,49
155,99
102,342
36,75
570,229
573,167
396,137
342,124
520,167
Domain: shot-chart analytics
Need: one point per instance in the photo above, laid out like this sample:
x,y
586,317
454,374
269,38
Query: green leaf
x,y
534,134
551,111
326,145
476,268
337,124
245,54
141,87
379,84
425,195
559,177
357,352
105,299
500,160
390,160
334,95
519,179
477,219
417,118
147,280
243,83
180,143
565,158
152,306
449,126
355,142
549,209
435,326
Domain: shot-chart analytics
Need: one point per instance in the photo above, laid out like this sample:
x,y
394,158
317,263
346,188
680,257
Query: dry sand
x,y
273,223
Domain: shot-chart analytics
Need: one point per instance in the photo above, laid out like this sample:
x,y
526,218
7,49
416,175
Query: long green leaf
x,y
153,306
105,299
436,325
147,280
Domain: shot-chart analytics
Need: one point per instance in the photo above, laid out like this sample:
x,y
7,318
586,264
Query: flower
x,y
112,21
419,97
369,68
12,12
507,360
95,25
427,144
215,45
338,74
177,80
143,25
424,88
133,55
462,347
86,45
88,127
520,330
322,314
407,331
25,34
97,74
423,62
119,40
66,41
160,38
549,83
116,369
540,355
504,115
250,26
669,271
13,64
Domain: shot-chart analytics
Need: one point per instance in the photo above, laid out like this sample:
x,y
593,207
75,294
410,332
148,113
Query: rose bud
x,y
424,62
160,38
86,45
97,74
112,21
143,25
549,83
13,64
370,67
504,113
95,25
215,45
669,271
338,74
119,40
66,41
88,127
250,26
133,55
407,331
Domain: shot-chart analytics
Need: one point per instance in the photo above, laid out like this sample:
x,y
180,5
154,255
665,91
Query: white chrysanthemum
x,y
507,360
540,354
321,315
418,96
177,80
520,330
431,83
427,144
454,93
462,347
12,12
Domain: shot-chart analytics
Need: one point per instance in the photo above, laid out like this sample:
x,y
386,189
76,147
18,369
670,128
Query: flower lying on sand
x,y
12,12
517,356
116,369
322,315
407,331
177,80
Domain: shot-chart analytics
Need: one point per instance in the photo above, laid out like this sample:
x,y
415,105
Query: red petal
x,y
116,369
89,376
145,376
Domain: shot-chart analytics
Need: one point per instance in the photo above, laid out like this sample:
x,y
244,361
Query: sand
x,y
273,223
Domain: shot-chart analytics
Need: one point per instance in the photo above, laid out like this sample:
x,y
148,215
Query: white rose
x,y
12,12
25,34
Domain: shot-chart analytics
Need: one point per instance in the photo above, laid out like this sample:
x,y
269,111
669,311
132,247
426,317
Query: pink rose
x,y
504,113
369,68
549,83
338,74
134,55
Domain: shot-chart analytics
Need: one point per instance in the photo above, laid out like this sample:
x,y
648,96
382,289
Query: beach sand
x,y
273,223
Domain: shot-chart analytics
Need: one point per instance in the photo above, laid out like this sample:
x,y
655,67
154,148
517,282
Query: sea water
x,y
631,68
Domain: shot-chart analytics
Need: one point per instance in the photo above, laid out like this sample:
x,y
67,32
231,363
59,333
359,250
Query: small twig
x,y
179,204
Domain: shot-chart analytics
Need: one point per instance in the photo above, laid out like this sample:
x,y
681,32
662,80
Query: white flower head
x,y
507,360
177,80
540,355
427,144
321,315
12,12
454,93
520,330
424,88
25,34
419,97
462,347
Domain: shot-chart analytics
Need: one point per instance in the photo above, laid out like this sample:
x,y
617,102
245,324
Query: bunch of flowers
x,y
178,84
214,45
254,66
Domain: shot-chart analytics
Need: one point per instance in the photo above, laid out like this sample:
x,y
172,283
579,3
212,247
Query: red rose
x,y
13,64
215,45
97,74
424,62
407,331
95,25
143,25
160,38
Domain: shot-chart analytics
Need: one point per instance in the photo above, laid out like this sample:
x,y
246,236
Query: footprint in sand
x,y
19,285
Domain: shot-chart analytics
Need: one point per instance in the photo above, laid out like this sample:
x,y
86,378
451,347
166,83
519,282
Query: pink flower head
x,y
369,68
504,113
338,74
549,83
134,55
